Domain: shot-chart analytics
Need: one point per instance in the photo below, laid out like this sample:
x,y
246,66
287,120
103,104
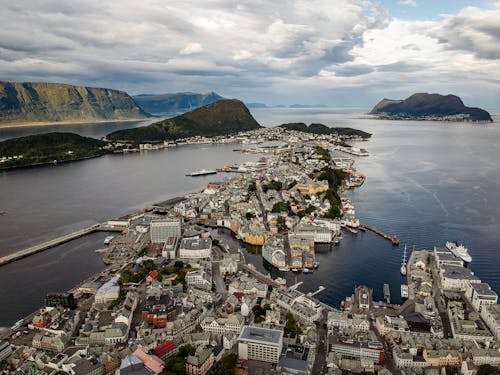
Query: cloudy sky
x,y
335,52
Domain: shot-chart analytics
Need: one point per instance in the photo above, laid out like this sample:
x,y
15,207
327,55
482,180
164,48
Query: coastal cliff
x,y
223,117
25,102
423,106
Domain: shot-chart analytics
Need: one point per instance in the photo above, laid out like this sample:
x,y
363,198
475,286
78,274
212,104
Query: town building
x,y
161,229
65,300
201,362
108,292
260,344
195,248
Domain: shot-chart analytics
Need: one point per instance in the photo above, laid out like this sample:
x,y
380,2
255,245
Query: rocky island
x,y
423,106
43,103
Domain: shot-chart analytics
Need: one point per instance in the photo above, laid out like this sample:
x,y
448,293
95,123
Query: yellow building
x,y
312,188
438,358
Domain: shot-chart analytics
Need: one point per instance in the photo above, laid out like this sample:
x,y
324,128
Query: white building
x,y
260,344
457,278
480,294
491,316
199,278
161,229
231,324
195,248
108,292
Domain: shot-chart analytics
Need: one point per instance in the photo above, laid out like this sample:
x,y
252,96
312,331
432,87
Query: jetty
x,y
57,241
393,239
387,293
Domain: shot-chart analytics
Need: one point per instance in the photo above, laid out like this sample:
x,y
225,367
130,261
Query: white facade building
x,y
260,344
195,248
161,229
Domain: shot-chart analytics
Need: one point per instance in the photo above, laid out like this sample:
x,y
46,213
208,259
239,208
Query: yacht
x,y
403,263
459,251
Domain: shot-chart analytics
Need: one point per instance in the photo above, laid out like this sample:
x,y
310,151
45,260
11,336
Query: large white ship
x,y
459,251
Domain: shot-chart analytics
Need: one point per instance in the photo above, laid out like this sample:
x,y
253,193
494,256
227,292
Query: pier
x,y
393,239
56,242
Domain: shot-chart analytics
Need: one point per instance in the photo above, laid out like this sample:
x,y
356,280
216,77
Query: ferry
x,y
404,291
108,240
202,172
459,250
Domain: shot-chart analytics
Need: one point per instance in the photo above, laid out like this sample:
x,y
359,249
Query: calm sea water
x,y
426,182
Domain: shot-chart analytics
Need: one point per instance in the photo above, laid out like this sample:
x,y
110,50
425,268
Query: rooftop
x,y
261,335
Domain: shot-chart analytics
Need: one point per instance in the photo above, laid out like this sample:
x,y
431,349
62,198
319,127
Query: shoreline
x,y
9,125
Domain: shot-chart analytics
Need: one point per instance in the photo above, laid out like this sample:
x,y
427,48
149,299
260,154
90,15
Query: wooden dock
x,y
56,241
393,239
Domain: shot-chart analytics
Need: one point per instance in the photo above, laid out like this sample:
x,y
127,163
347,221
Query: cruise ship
x,y
459,251
202,172
403,264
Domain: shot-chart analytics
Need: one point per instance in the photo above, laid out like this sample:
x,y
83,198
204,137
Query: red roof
x,y
164,348
153,274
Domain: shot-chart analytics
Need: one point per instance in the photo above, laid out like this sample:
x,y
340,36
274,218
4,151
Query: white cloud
x,y
260,48
412,3
191,49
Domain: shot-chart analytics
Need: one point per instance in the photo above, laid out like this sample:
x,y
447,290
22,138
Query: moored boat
x,y
201,172
404,291
459,250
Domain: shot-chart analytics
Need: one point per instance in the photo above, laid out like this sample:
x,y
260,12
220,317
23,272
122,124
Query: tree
x,y
279,207
291,325
488,370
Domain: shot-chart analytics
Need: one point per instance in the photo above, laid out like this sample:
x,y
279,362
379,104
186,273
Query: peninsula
x,y
46,103
423,106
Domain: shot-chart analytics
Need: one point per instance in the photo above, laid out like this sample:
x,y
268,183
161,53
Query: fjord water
x,y
427,182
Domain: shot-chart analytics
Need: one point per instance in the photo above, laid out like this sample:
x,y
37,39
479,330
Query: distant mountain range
x,y
423,106
22,102
223,117
323,129
174,103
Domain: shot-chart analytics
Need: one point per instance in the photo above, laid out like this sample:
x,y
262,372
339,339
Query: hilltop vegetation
x,y
178,102
423,106
323,129
53,102
45,148
220,118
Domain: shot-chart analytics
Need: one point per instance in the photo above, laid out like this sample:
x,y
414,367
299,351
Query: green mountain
x,y
323,129
424,106
178,102
45,148
220,118
53,102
